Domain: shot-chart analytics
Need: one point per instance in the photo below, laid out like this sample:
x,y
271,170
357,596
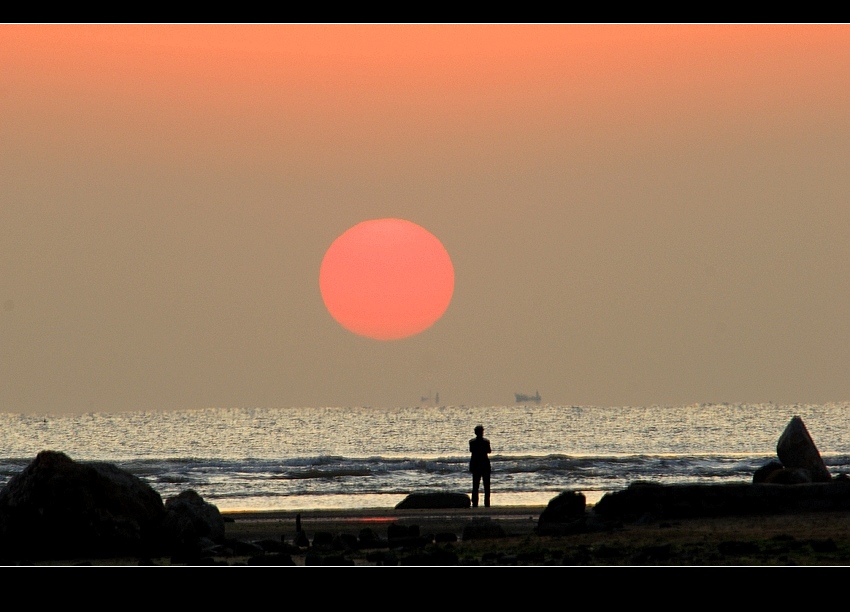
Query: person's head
x,y
479,430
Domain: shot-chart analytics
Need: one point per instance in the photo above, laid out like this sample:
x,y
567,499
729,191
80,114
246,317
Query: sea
x,y
312,458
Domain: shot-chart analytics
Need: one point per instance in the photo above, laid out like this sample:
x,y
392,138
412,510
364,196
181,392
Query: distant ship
x,y
520,397
427,398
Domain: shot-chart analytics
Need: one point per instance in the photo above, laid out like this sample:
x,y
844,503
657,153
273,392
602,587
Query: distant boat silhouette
x,y
427,398
520,397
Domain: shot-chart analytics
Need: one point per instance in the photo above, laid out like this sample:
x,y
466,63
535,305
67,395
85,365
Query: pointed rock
x,y
796,449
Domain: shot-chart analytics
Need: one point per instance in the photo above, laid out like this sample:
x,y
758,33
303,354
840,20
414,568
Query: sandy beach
x,y
794,539
812,538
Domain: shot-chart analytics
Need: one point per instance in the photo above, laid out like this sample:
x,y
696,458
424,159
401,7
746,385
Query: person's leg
x,y
486,478
476,481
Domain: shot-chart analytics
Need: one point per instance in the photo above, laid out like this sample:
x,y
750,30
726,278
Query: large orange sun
x,y
387,279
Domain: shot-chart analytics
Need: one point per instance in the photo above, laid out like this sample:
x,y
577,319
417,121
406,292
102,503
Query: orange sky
x,y
369,83
637,214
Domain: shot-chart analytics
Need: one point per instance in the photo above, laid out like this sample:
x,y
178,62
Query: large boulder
x,y
566,507
59,508
565,514
434,500
797,450
655,501
189,521
764,472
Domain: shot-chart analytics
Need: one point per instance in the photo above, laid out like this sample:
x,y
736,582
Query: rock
x,y
246,549
59,508
188,518
397,530
789,476
482,528
763,473
301,539
657,501
369,539
346,542
443,537
796,449
405,536
323,541
566,507
434,500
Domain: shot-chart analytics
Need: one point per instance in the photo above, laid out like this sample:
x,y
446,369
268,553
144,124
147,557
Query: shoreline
x,y
802,538
519,520
792,538
359,513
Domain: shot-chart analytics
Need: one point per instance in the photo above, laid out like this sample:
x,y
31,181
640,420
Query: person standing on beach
x,y
479,465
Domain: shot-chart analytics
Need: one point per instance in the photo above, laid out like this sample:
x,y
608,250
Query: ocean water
x,y
366,457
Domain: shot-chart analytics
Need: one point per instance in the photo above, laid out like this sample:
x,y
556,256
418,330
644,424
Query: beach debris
x,y
60,508
436,499
797,450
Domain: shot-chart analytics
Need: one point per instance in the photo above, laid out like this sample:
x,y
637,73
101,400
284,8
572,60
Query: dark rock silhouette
x,y
796,449
798,481
567,506
482,528
642,500
434,500
799,460
59,508
190,510
397,531
567,514
406,536
191,525
789,476
764,472
369,539
564,514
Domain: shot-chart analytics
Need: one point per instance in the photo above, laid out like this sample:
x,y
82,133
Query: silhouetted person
x,y
479,465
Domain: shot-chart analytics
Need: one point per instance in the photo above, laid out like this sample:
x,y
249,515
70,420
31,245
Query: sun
x,y
386,279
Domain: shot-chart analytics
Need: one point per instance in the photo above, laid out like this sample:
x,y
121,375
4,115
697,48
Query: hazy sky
x,y
636,214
